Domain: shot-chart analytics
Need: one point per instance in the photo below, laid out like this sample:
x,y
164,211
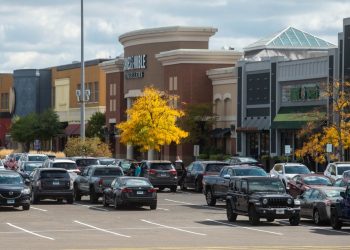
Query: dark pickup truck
x,y
340,211
216,186
261,197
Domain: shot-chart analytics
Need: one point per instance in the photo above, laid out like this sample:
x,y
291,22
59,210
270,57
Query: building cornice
x,y
112,66
198,56
167,34
223,75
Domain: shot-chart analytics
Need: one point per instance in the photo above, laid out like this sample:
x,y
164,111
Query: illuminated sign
x,y
133,63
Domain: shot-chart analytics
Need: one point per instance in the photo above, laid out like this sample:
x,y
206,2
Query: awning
x,y
297,117
220,132
72,129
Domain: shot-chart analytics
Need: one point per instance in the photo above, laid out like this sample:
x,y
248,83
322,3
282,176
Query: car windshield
x,y
87,162
266,185
29,167
125,164
65,165
247,159
162,166
10,179
108,172
136,182
317,180
342,169
56,174
17,157
296,170
37,157
106,161
214,167
250,172
332,193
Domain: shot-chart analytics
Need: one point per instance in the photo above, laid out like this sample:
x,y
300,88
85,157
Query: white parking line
x,y
43,210
101,229
93,207
30,232
174,228
181,202
248,228
313,227
164,209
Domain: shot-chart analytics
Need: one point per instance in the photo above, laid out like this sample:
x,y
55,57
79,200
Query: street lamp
x,y
82,76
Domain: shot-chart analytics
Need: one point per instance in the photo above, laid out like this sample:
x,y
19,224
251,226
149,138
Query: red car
x,y
300,183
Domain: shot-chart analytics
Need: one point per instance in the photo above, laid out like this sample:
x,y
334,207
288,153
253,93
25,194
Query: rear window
x,y
54,174
136,182
65,165
342,169
86,162
31,166
214,167
37,157
106,161
108,172
162,166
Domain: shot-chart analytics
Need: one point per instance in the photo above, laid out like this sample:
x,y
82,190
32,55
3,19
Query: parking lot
x,y
181,221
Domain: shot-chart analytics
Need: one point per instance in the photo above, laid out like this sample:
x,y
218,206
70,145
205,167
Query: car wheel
x,y
26,207
316,217
115,204
60,200
70,200
77,195
211,200
270,219
104,201
197,186
335,223
173,188
34,198
253,216
231,216
153,206
93,196
182,185
294,220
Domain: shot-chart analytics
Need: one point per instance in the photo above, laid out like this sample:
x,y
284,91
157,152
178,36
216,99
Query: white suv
x,y
286,171
335,170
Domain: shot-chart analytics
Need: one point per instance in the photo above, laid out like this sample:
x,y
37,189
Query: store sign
x,y
133,63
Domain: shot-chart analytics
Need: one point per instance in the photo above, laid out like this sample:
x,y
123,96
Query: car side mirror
x,y
342,194
227,176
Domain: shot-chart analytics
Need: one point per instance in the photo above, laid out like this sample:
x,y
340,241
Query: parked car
x,y
315,203
261,197
246,160
196,170
93,180
82,161
340,210
106,161
51,183
161,174
14,191
341,182
346,174
286,171
335,170
32,157
27,167
216,186
301,182
66,164
136,191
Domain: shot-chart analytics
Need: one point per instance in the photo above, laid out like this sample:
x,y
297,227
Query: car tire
x,y
294,220
231,216
173,189
153,206
93,196
104,201
34,198
182,186
26,207
77,195
335,222
316,217
197,186
70,200
209,197
253,216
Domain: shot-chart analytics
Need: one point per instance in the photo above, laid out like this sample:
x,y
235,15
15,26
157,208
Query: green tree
x,y
95,126
49,125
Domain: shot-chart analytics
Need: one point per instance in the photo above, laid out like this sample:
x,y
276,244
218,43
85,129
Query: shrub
x,y
88,147
57,154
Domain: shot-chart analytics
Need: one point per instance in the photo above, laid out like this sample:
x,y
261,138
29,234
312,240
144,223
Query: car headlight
x,y
297,202
289,201
25,191
264,201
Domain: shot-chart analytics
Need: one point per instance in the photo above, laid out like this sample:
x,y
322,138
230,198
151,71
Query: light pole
x,y
82,77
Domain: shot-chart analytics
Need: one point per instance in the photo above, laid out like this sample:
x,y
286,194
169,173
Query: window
x,y
302,92
5,101
173,83
94,90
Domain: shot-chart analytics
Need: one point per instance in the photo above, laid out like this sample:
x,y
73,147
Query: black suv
x,y
83,161
13,192
340,211
261,197
51,183
161,174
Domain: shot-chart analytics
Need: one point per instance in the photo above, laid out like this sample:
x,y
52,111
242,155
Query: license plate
x,y
280,211
10,201
56,183
163,175
139,192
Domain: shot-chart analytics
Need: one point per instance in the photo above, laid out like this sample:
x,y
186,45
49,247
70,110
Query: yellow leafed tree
x,y
337,132
152,121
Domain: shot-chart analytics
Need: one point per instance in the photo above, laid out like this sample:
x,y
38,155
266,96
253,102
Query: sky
x,y
43,33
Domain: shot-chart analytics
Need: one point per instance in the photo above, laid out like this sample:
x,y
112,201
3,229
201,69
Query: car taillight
x,y
152,190
173,172
328,202
152,171
126,190
100,182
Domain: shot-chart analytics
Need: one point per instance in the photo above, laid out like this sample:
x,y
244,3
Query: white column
x,y
150,154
